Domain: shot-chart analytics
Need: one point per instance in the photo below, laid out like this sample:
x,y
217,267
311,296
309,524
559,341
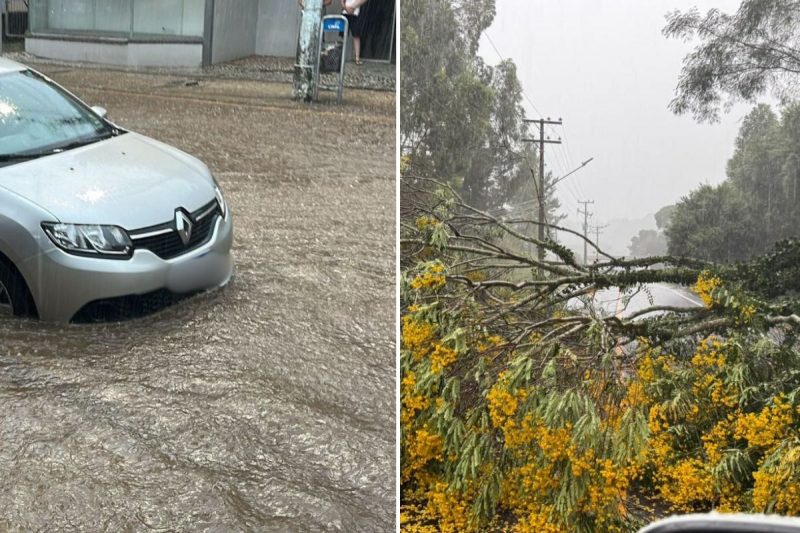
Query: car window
x,y
36,115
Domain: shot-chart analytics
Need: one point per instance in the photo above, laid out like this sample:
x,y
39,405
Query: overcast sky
x,y
606,69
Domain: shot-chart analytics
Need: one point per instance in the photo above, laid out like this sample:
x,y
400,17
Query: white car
x,y
724,523
92,214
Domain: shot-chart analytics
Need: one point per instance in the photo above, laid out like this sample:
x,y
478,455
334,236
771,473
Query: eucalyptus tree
x,y
462,120
741,56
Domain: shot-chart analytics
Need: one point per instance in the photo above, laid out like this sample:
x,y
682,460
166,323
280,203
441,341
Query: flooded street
x,y
264,406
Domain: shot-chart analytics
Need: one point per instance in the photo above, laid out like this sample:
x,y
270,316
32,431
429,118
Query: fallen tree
x,y
518,409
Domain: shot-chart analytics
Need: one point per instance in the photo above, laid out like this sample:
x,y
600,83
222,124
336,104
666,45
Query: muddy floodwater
x,y
264,406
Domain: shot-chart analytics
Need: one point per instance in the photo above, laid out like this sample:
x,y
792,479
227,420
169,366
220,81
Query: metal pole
x,y
391,42
3,21
317,71
342,64
307,63
208,33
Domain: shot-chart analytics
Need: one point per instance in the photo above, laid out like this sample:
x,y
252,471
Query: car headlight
x,y
89,239
221,201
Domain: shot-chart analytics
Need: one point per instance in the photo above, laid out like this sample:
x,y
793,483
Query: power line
x,y
491,42
571,188
524,94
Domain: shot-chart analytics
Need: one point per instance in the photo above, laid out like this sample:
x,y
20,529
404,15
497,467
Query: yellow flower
x,y
767,428
451,511
432,278
405,161
442,357
777,485
422,446
747,313
716,441
502,405
706,284
687,485
411,402
417,337
424,222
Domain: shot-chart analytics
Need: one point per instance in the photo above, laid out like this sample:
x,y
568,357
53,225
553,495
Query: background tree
x,y
757,205
664,215
740,57
647,243
462,119
712,223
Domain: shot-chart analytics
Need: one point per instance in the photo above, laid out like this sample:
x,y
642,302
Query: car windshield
x,y
38,118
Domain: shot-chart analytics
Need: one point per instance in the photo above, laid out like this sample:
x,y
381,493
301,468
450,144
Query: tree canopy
x,y
648,242
757,205
740,56
462,120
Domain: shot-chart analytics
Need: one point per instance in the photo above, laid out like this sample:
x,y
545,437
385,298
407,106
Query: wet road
x,y
264,406
612,302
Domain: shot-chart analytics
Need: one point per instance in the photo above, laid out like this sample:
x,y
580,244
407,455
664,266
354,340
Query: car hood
x,y
130,181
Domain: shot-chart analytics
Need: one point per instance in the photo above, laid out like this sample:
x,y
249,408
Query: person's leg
x,y
357,48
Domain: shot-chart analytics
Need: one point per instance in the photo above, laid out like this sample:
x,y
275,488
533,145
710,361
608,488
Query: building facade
x,y
185,33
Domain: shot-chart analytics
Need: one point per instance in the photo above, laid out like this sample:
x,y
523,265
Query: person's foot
x,y
359,62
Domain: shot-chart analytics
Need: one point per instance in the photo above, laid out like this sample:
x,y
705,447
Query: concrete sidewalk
x,y
372,75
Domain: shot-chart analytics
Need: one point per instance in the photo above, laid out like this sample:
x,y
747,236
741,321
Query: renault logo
x,y
183,225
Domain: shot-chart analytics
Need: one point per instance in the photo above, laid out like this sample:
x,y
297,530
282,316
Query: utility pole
x,y
597,231
540,187
307,61
586,214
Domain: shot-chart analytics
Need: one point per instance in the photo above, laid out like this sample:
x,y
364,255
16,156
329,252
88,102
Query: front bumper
x,y
62,284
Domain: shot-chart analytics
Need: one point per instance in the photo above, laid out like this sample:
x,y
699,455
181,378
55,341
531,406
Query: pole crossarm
x,y
542,121
547,141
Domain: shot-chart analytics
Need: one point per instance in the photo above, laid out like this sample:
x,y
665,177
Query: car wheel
x,y
15,298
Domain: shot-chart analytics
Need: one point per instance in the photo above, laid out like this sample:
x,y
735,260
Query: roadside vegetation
x,y
759,202
523,407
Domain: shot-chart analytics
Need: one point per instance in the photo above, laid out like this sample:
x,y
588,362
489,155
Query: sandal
x,y
359,62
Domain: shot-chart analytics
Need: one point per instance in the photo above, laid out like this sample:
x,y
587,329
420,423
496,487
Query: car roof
x,y
6,65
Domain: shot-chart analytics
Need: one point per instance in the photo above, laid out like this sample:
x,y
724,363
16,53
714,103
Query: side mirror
x,y
100,111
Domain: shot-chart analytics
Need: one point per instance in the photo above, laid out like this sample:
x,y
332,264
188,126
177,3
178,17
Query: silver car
x,y
91,213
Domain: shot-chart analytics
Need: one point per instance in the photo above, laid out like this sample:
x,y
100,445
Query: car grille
x,y
164,241
130,306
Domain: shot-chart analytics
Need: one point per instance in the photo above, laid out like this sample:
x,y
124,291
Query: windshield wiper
x,y
4,158
78,144
21,157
